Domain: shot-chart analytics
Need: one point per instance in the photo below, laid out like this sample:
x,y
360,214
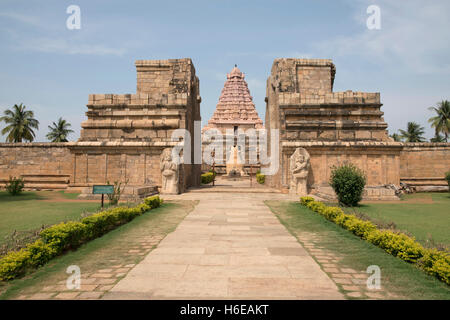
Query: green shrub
x,y
397,244
348,183
305,200
68,235
260,178
40,253
208,177
434,262
65,235
14,264
15,185
153,202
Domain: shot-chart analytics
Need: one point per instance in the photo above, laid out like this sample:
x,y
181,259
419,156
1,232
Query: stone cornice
x,y
344,144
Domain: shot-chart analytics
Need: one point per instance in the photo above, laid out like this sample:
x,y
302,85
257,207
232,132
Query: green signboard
x,y
103,189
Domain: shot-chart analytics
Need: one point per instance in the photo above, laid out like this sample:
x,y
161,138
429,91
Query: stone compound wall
x,y
424,165
379,160
42,165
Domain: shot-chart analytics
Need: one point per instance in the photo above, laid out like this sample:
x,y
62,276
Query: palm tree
x,y
59,131
438,138
19,124
441,122
414,133
396,137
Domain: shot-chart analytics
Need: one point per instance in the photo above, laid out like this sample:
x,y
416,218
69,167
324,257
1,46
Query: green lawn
x,y
398,276
27,211
112,248
419,219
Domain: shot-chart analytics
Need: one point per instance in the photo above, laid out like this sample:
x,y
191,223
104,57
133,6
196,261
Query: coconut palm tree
x,y
441,122
438,138
19,124
396,137
414,133
59,131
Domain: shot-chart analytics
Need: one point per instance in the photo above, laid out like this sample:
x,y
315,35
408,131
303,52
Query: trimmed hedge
x,y
260,178
434,262
69,235
208,177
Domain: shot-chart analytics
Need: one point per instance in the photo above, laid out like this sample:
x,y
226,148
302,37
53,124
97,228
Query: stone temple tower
x,y
234,115
235,109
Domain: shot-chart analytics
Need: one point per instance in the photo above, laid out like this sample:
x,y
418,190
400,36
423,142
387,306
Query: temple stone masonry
x,y
127,137
235,113
235,109
122,139
335,127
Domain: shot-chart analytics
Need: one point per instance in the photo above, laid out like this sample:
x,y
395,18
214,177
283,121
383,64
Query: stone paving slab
x,y
230,247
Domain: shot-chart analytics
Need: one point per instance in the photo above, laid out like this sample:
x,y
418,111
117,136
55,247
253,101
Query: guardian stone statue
x,y
169,172
299,169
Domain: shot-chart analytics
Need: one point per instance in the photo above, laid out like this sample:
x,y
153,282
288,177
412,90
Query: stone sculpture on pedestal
x,y
169,172
235,163
299,169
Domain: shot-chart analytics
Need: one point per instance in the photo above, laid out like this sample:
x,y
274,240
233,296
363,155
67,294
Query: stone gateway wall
x,y
335,127
122,139
124,135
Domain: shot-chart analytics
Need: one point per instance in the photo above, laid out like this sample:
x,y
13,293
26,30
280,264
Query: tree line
x,y
20,126
440,122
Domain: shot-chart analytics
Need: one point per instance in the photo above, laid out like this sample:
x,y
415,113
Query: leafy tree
x,y
396,137
441,122
414,132
59,131
19,124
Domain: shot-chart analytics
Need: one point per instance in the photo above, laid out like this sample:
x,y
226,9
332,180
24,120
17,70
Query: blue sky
x,y
52,69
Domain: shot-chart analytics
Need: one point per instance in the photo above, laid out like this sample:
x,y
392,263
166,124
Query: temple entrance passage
x,y
231,246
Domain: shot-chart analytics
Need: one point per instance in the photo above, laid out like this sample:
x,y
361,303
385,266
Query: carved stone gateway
x,y
299,169
124,136
169,173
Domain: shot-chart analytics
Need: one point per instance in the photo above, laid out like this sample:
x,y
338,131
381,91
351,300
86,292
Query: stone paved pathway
x,y
230,247
352,282
95,284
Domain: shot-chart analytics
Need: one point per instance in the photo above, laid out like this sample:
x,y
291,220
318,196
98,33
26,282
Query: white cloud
x,y
413,35
24,19
31,38
66,47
